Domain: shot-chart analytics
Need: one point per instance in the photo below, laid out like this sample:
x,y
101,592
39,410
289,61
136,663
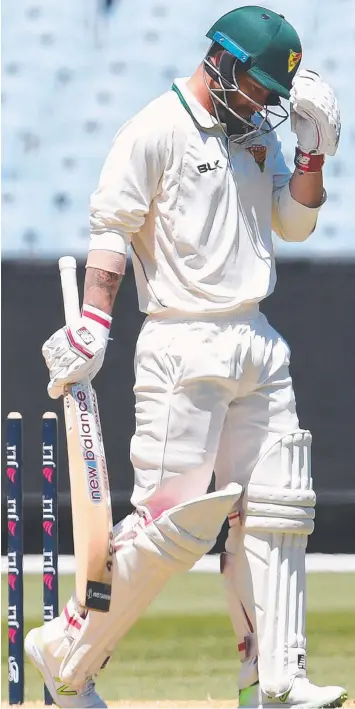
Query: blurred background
x,y
72,72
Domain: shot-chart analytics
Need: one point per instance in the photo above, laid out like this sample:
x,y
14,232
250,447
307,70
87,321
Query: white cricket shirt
x,y
200,230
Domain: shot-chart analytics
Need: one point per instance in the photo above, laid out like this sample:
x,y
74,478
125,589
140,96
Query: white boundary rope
x,y
315,563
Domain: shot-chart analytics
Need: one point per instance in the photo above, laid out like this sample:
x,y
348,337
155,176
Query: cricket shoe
x,y
46,647
302,695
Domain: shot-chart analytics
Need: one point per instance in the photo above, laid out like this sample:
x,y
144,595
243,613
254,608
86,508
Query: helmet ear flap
x,y
226,65
273,100
225,68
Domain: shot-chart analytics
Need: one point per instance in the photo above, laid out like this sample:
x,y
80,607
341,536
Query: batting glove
x,y
76,351
315,118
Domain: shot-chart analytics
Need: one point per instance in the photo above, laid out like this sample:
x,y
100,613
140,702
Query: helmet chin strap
x,y
234,126
238,129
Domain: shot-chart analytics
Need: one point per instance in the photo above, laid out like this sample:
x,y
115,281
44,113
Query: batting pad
x,y
265,570
169,544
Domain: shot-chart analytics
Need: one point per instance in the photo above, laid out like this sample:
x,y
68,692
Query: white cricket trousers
x,y
213,393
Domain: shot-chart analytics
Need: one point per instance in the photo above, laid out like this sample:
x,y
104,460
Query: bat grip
x,y
67,268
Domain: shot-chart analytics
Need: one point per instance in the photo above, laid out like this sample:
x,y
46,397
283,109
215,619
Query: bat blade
x,y
90,497
89,483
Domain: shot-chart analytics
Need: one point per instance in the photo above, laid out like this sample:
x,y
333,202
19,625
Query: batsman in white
x,y
195,183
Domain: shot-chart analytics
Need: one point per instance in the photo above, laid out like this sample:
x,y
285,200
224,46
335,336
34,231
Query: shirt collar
x,y
192,105
203,118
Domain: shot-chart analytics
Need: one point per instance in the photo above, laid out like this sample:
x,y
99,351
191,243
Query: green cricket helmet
x,y
265,46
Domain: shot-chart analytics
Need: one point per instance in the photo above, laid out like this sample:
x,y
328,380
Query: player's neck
x,y
196,84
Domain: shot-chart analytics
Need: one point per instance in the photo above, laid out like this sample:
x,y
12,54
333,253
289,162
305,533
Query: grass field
x,y
184,648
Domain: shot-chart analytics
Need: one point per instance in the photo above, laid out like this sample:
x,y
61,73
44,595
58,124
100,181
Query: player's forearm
x,y
104,272
307,188
100,288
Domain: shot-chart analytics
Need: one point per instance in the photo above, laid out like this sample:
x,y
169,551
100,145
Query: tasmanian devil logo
x,y
207,167
259,154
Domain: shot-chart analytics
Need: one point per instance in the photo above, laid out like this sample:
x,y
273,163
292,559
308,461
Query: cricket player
x,y
195,184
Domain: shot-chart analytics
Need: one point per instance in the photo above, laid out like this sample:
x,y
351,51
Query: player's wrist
x,y
307,161
91,332
96,320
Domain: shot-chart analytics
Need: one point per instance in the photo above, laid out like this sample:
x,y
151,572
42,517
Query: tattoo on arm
x,y
101,288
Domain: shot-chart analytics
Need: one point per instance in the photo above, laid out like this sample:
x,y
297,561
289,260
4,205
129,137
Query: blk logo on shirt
x,y
208,167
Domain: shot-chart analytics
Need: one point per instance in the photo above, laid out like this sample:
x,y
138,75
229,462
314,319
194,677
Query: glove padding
x,y
76,351
315,115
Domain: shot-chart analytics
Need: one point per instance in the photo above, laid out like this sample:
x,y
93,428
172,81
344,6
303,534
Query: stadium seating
x,y
73,73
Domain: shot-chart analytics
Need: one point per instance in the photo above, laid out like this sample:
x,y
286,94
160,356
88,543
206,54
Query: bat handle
x,y
67,268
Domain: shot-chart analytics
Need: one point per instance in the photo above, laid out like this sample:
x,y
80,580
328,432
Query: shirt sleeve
x,y
128,183
291,220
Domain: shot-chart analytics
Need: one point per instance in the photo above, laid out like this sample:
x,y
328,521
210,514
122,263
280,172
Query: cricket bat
x,y
89,483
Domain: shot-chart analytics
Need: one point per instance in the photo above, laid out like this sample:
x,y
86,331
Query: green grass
x,y
184,647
